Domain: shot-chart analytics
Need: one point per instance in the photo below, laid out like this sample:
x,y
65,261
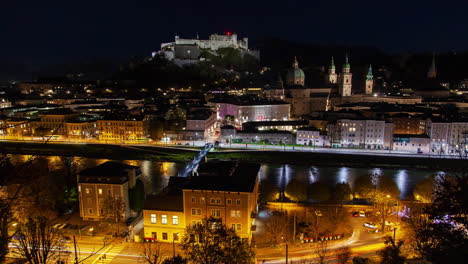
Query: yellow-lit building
x,y
55,121
164,218
123,128
78,130
224,190
17,128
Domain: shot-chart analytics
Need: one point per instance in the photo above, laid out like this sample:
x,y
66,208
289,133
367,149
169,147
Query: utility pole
x,y
294,228
76,253
286,253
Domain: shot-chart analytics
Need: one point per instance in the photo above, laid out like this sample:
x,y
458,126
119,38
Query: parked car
x,y
370,225
355,214
318,213
362,214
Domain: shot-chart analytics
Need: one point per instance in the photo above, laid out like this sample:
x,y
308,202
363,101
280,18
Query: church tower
x,y
346,76
332,76
369,81
432,73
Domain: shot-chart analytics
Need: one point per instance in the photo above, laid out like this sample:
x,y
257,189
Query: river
x,y
155,174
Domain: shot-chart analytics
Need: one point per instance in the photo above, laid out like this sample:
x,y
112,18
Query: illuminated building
x,y
311,136
369,81
96,185
123,128
412,143
408,125
345,79
78,129
225,190
232,135
201,124
55,120
448,136
368,134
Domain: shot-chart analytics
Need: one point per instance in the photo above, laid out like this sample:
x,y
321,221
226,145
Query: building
x,y
412,143
107,182
311,136
201,124
291,125
408,124
448,137
81,128
345,79
230,134
249,108
121,128
368,134
4,103
223,189
369,81
55,121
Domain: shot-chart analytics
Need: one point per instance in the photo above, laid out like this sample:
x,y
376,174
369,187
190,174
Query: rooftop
x,y
172,203
107,172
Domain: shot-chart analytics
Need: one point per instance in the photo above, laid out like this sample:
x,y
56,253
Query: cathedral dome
x,y
295,76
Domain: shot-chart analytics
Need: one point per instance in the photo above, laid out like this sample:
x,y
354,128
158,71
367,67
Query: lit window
x,y
215,212
87,191
175,220
100,191
164,219
153,218
202,200
236,213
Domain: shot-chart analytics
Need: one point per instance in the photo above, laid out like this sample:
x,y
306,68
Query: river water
x,y
156,174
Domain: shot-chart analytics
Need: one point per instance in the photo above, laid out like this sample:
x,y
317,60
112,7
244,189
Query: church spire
x,y
295,63
432,73
369,75
332,63
346,66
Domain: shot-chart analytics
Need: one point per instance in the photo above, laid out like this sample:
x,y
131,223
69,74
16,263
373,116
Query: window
x,y
194,211
109,192
90,211
175,220
154,235
239,227
215,212
238,202
229,201
212,200
153,218
202,200
218,201
164,219
175,236
233,226
100,191
194,200
236,213
164,236
87,191
198,211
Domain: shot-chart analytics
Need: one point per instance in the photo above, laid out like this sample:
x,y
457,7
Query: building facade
x,y
123,128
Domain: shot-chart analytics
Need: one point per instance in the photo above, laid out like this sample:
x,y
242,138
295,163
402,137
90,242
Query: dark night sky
x,y
43,32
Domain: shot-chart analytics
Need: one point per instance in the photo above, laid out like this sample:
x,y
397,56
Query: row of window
x,y
175,236
217,212
100,191
214,200
154,218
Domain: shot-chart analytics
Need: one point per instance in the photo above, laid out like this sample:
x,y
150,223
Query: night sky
x,y
44,32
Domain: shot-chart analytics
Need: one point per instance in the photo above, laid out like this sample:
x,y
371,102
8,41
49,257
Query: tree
x,y
113,211
137,196
322,251
391,254
343,254
211,242
37,242
440,227
363,186
359,260
319,192
296,190
268,191
175,260
41,132
423,190
150,253
341,192
276,228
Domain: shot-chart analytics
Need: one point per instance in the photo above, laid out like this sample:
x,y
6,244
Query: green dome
x,y
295,73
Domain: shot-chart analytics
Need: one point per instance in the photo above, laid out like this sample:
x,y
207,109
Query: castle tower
x,y
332,76
295,76
432,73
369,81
345,80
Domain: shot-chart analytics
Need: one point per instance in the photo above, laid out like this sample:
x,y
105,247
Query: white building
x,y
412,143
201,124
311,136
448,137
369,134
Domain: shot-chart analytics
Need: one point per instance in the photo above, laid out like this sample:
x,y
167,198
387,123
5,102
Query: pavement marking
x,y
108,255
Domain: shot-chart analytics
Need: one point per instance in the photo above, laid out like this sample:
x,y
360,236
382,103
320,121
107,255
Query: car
x,y
187,144
370,225
355,214
362,214
64,239
420,152
388,223
318,213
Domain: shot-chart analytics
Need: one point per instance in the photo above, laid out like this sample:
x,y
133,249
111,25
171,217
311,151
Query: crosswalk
x,y
109,254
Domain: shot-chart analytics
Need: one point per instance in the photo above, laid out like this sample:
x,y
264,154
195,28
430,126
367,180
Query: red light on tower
x,y
228,33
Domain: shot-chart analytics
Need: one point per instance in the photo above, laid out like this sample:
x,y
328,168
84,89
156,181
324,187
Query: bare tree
x,y
276,228
323,252
343,254
150,253
113,210
37,242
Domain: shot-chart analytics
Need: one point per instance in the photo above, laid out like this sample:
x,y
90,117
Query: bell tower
x,y
346,77
369,81
332,76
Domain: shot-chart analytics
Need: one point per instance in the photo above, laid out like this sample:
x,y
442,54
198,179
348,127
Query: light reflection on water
x,y
156,174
